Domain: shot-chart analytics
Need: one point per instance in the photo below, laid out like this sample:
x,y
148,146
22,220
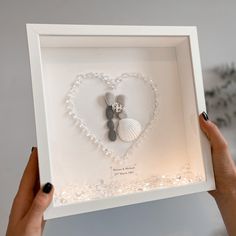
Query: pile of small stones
x,y
115,107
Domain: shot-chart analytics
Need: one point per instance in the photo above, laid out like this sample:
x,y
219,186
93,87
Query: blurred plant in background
x,y
221,99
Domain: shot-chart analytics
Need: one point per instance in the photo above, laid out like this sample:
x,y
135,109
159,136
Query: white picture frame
x,y
157,36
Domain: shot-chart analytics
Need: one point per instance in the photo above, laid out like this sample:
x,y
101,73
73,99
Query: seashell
x,y
128,129
121,99
109,98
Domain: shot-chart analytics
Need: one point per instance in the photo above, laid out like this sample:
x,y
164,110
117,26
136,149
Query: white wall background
x,y
189,215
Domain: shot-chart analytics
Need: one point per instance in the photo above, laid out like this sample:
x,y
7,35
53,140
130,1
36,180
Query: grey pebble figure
x,y
110,99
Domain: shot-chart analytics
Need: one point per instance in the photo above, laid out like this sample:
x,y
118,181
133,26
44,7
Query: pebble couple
x,y
128,129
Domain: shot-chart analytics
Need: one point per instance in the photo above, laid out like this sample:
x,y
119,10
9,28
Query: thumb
x,y
39,205
222,161
217,140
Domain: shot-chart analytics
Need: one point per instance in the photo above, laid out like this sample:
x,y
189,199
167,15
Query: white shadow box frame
x,y
174,157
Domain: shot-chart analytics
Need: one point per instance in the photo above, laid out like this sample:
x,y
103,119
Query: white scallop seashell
x,y
128,129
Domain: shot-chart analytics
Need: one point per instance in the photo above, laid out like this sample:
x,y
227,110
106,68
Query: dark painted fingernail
x,y
32,149
205,116
47,188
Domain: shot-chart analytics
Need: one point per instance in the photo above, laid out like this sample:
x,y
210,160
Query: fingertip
x,y
206,124
212,131
33,156
46,192
41,203
204,121
205,116
45,195
47,188
34,151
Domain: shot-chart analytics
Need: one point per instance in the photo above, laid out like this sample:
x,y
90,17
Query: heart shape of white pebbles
x,y
86,105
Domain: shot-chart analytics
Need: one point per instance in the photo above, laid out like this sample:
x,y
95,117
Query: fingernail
x,y
205,116
32,149
47,188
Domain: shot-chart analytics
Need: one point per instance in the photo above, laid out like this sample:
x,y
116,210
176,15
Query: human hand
x,y
26,217
223,164
225,174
